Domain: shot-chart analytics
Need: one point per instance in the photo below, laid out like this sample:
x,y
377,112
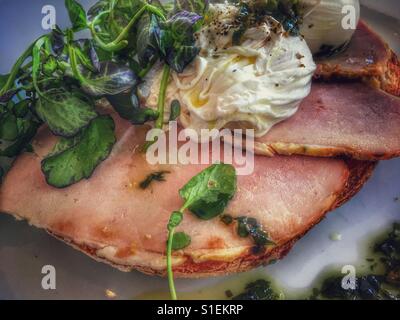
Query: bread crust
x,y
360,172
383,72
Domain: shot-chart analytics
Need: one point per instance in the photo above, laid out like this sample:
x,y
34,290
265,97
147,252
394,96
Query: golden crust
x,y
360,171
390,80
288,149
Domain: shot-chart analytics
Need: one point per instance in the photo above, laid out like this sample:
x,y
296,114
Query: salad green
x,y
206,195
59,78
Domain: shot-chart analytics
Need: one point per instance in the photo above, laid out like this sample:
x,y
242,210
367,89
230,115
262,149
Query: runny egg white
x,y
253,85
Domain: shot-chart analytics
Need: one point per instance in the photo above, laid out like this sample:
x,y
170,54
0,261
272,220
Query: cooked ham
x,y
339,119
110,218
368,58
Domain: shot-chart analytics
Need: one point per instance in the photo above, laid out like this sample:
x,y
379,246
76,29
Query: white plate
x,y
25,250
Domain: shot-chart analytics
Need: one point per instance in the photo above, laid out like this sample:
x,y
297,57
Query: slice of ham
x,y
367,58
110,218
346,118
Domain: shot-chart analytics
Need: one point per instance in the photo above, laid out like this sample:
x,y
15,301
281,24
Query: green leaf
x,y
127,106
50,66
227,219
86,54
77,15
181,57
174,220
208,193
57,40
180,241
154,176
8,127
198,6
64,144
113,22
65,112
175,110
21,108
183,25
76,159
248,226
176,40
146,42
112,79
26,131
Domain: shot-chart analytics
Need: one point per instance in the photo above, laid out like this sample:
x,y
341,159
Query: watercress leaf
x,y
26,131
179,58
174,220
50,65
175,39
154,176
198,6
164,7
64,144
111,17
111,80
8,127
208,193
125,103
94,58
65,112
144,115
127,8
76,160
227,219
57,40
77,15
175,110
97,8
21,108
180,241
86,54
183,25
146,42
245,224
102,55
127,106
248,226
178,30
165,42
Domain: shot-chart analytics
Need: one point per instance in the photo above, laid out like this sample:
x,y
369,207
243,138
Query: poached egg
x,y
253,85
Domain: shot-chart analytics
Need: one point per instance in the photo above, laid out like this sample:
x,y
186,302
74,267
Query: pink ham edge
x,y
339,119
